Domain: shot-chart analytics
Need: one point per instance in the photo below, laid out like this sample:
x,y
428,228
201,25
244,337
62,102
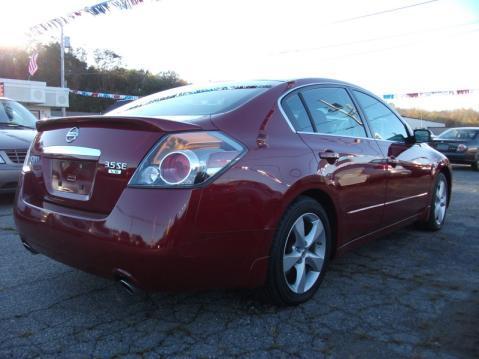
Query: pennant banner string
x,y
104,95
431,93
101,8
385,97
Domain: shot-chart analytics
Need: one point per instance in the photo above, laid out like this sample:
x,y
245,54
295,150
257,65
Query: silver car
x,y
17,130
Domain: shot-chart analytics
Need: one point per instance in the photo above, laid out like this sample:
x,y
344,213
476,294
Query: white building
x,y
39,98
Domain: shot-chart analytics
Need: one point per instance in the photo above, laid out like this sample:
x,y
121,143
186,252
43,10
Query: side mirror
x,y
422,135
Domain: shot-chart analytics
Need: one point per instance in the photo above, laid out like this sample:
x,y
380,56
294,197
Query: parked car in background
x,y
460,145
241,184
17,130
116,105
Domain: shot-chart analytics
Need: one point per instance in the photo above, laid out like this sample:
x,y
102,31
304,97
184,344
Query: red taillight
x,y
175,168
187,159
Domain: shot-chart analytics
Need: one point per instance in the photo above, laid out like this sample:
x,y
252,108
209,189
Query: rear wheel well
x,y
328,205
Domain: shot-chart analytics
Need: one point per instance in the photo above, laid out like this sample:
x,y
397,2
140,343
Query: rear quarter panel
x,y
278,166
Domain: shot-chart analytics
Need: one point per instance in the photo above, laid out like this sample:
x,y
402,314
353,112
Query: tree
x,y
13,63
106,59
459,117
107,75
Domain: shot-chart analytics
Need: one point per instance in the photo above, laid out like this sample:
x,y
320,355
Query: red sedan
x,y
243,184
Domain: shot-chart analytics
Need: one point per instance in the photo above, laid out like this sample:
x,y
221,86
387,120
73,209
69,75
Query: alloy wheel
x,y
304,253
440,203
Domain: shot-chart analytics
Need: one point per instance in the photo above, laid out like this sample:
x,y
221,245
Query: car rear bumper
x,y
9,177
150,237
461,157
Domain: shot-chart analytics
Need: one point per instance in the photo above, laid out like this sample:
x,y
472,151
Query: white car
x,y
17,130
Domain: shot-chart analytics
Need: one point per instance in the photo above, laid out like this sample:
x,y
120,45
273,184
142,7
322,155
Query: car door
x,y
409,169
348,160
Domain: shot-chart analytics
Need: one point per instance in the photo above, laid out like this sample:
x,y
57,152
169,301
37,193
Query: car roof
x,y
305,81
273,81
464,128
318,80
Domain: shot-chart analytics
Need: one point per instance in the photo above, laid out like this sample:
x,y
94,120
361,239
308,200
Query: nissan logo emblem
x,y
73,134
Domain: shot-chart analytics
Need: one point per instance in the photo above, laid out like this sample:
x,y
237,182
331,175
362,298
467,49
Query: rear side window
x,y
383,122
297,114
333,112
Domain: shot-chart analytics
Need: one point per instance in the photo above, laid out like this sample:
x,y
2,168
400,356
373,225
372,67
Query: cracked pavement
x,y
409,294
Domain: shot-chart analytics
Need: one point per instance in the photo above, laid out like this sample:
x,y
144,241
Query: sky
x,y
429,47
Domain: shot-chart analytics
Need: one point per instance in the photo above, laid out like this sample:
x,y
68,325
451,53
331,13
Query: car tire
x,y
439,204
299,253
475,165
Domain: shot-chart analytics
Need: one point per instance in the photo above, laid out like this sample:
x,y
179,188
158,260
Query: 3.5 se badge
x,y
115,168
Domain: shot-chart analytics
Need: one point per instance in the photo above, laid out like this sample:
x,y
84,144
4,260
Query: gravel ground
x,y
411,294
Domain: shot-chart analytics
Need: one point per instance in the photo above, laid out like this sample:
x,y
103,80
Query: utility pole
x,y
62,64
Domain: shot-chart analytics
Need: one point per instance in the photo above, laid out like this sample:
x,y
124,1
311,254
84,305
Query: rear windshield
x,y
193,100
459,134
12,114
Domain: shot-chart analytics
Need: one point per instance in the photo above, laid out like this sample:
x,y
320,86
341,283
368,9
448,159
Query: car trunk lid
x,y
86,162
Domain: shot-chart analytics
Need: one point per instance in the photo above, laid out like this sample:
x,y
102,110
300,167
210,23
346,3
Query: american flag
x,y
32,65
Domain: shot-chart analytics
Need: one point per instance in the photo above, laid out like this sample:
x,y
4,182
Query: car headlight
x,y
187,159
2,161
461,148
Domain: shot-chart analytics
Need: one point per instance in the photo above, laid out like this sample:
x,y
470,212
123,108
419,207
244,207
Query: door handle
x,y
393,161
329,156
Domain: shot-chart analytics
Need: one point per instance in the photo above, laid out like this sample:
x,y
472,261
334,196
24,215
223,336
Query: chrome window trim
x,y
344,86
284,113
387,203
82,153
397,115
332,134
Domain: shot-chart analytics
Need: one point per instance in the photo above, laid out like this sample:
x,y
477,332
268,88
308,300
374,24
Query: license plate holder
x,y
72,176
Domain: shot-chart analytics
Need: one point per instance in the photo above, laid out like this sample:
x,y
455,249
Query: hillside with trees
x,y
107,74
461,117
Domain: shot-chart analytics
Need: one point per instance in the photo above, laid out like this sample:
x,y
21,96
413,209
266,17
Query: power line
x,y
358,42
393,47
383,12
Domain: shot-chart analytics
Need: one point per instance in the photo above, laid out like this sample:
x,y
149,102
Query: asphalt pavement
x,y
410,294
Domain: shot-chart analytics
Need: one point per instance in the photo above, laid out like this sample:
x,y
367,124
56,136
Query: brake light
x,y
175,167
187,159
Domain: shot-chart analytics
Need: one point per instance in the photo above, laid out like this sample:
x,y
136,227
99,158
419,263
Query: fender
x,y
316,187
